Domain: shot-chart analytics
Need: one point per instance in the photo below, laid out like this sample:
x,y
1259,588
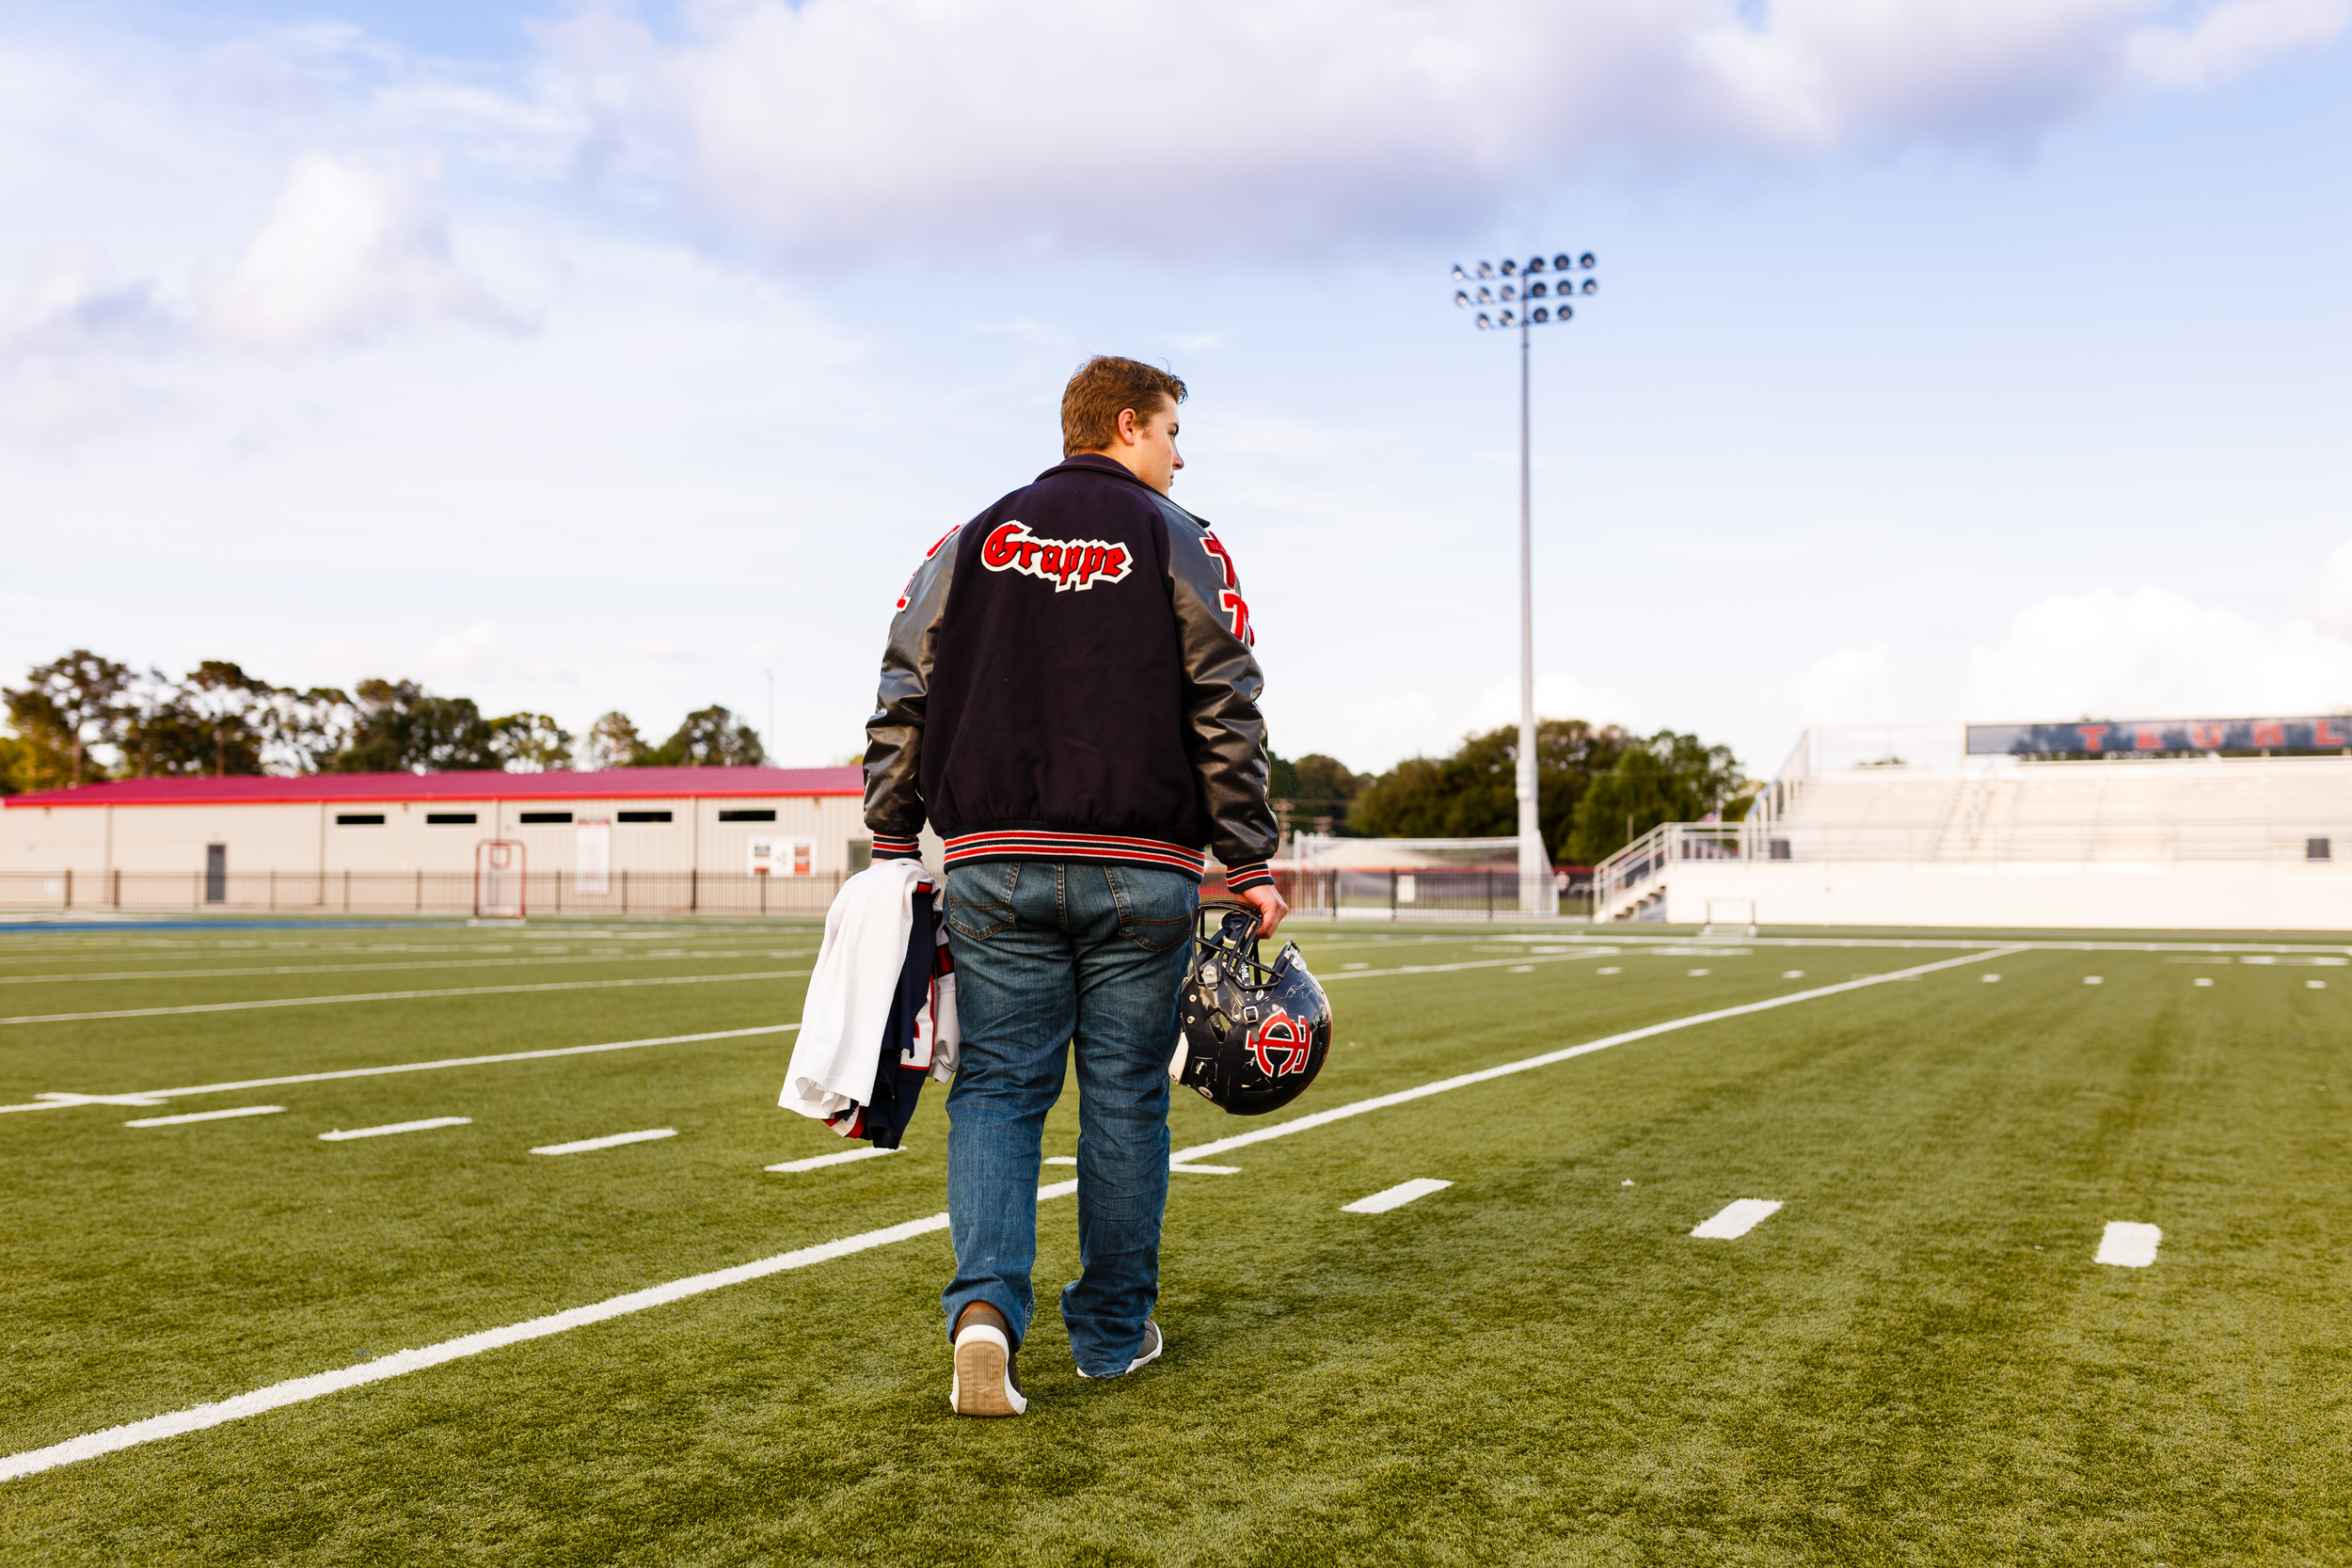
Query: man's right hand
x,y
1271,909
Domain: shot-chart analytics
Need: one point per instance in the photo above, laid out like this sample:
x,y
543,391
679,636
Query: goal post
x,y
498,879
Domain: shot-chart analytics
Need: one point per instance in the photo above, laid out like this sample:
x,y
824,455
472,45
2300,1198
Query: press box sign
x,y
2143,738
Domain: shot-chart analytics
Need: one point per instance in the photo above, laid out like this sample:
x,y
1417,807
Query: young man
x,y
1070,697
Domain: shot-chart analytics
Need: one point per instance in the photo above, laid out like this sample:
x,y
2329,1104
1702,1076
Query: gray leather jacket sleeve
x,y
1224,732
893,732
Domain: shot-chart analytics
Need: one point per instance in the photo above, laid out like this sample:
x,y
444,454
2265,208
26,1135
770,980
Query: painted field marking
x,y
1353,973
1737,1219
1355,966
2316,985
2202,980
2128,1246
818,1162
2095,980
610,1140
1061,1158
1396,1196
1991,979
410,995
152,1097
1612,968
296,1390
1697,973
339,1135
1792,974
1205,1171
405,963
1522,969
207,1115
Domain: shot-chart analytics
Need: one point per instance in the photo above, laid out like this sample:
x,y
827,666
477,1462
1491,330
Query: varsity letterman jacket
x,y
1069,677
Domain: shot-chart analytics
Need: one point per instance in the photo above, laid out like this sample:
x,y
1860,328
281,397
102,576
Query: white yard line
x,y
2128,1246
1340,1113
339,1135
610,1140
1396,1196
547,960
151,1097
1738,1218
207,1115
1522,964
410,995
296,1390
821,1160
1205,1171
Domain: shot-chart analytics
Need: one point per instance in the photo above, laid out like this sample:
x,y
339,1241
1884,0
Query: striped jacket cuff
x,y
890,846
1241,879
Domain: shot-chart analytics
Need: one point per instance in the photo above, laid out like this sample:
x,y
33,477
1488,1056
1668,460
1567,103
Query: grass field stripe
x,y
2128,1246
1379,1103
821,1160
390,1128
51,1102
1396,1196
1522,962
405,963
1737,1219
610,1140
410,995
298,1390
207,1115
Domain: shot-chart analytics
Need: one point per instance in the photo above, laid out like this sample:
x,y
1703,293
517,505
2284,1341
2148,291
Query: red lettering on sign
x,y
2095,737
2207,737
2149,737
2324,733
2270,731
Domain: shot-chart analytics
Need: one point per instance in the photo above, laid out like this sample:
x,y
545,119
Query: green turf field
x,y
1916,1359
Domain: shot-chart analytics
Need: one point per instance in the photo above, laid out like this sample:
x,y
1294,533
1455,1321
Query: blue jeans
x,y
1050,954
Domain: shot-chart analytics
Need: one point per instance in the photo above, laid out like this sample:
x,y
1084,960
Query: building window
x,y
749,814
359,819
450,818
2317,850
644,815
530,819
1777,848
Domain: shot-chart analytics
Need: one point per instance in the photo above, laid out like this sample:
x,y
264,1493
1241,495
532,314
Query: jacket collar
x,y
1093,463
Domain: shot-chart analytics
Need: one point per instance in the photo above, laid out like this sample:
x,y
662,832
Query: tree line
x,y
84,718
1597,786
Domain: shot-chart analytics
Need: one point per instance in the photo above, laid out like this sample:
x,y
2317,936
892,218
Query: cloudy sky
x,y
1953,359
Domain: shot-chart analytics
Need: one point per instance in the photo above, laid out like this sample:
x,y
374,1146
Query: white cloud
x,y
1851,686
349,250
862,125
2332,601
2153,652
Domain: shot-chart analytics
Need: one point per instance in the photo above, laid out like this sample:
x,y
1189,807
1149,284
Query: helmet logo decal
x,y
1285,1036
1067,563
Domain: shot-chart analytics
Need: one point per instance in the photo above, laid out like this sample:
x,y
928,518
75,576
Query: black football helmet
x,y
1253,1037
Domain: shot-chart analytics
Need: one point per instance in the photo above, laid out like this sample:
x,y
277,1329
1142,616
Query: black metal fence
x,y
419,892
1400,894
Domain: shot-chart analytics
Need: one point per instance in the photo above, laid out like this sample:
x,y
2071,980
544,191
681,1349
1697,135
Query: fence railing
x,y
418,891
1494,893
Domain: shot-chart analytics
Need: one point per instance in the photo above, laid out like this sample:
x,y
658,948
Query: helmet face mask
x,y
1252,1036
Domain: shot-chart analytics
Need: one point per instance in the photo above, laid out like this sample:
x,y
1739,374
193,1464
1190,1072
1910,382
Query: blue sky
x,y
1950,361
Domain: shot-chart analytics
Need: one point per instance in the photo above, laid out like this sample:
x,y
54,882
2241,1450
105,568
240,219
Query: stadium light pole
x,y
1512,292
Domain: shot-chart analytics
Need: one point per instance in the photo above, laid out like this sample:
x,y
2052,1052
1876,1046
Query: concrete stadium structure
x,y
628,839
2128,841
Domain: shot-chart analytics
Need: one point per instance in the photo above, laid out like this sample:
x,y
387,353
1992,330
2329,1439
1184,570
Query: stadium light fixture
x,y
1532,293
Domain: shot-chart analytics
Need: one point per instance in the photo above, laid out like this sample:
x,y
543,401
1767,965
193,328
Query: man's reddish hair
x,y
1105,385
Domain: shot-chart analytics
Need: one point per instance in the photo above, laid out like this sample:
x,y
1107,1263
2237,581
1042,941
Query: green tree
x,y
530,743
1474,793
612,741
1670,777
304,731
710,737
65,708
1316,786
400,727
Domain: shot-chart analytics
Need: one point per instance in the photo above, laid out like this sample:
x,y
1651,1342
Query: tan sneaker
x,y
1152,1345
986,1382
